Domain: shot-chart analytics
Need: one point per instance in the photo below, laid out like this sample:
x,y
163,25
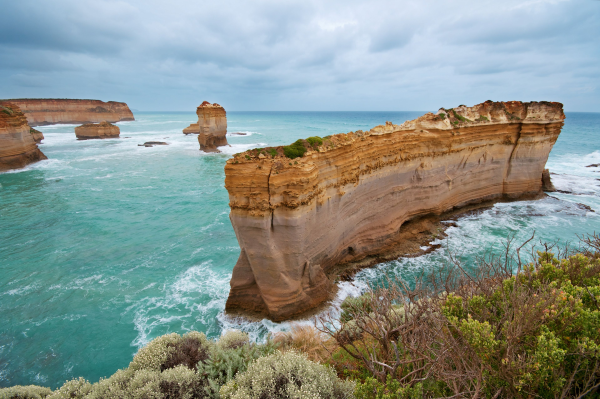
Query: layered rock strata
x,y
211,127
351,196
18,147
102,130
37,135
41,112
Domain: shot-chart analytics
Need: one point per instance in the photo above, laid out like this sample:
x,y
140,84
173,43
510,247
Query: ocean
x,y
107,245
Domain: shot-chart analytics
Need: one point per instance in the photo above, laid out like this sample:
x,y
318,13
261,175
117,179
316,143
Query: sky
x,y
285,55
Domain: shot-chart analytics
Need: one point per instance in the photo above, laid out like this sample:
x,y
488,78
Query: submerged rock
x,y
18,146
102,130
152,143
305,213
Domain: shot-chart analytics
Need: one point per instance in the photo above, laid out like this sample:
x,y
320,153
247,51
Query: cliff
x,y
211,127
102,130
41,112
302,212
37,135
18,147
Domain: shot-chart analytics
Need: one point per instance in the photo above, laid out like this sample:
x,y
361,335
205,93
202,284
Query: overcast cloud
x,y
302,55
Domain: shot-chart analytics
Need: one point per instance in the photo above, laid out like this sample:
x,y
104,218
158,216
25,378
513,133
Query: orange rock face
x,y
298,221
211,127
102,130
18,147
41,112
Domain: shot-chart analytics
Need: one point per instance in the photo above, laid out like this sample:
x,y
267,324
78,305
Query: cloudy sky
x,y
302,55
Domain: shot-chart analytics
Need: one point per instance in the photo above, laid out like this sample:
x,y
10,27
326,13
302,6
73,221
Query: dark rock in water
x,y
546,182
238,134
152,143
594,165
586,207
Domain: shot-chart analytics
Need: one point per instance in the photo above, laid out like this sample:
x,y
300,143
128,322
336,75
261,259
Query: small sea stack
x,y
102,130
18,146
211,127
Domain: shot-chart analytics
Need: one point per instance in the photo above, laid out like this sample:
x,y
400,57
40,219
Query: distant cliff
x,y
301,212
41,112
18,146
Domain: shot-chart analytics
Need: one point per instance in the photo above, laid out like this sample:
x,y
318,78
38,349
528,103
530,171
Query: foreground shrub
x,y
74,389
25,392
490,333
286,376
294,150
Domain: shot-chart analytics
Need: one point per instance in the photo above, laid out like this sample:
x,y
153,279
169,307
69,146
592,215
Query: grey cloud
x,y
269,54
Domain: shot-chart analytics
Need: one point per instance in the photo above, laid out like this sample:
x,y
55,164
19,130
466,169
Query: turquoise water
x,y
107,245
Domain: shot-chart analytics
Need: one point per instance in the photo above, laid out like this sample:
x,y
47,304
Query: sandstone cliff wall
x,y
102,130
298,220
18,147
41,112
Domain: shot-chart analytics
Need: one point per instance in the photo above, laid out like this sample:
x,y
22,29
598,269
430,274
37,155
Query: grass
x,y
295,150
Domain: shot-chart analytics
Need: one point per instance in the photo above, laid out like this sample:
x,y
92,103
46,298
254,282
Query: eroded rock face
x,y
37,135
41,112
18,147
102,130
299,221
194,128
212,126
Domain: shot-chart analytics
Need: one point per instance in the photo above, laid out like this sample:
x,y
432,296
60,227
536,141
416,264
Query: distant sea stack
x,y
18,147
102,130
211,127
304,213
40,112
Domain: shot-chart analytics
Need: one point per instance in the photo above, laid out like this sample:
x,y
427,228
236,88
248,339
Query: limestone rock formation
x,y
41,111
37,135
547,182
17,145
348,197
211,127
102,130
194,128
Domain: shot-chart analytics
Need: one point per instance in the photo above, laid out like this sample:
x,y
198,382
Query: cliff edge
x,y
301,212
40,111
18,146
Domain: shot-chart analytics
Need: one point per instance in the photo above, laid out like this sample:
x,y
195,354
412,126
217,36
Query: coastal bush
x,y
459,117
73,389
25,392
507,329
287,375
294,150
273,152
315,141
233,339
442,115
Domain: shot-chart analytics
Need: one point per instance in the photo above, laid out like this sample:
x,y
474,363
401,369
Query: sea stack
x,y
18,147
37,135
102,130
41,111
212,126
305,212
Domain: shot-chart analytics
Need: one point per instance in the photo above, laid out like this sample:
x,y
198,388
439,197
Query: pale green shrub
x,y
73,389
233,339
154,354
113,387
287,375
25,392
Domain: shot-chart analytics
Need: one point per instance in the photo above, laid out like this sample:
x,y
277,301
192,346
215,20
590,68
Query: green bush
x,y
287,375
25,392
233,339
294,150
273,152
459,117
442,115
373,389
74,389
315,141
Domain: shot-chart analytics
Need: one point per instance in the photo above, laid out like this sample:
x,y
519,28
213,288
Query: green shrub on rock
x,y
294,150
233,339
73,389
25,392
287,375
